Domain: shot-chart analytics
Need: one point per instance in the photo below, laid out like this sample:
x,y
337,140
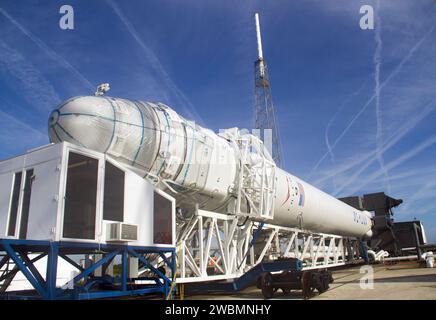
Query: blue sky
x,y
356,108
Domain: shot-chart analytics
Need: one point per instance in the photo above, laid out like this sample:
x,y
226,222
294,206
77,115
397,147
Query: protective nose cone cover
x,y
84,121
124,129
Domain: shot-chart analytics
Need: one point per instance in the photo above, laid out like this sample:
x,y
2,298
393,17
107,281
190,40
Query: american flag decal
x,y
302,195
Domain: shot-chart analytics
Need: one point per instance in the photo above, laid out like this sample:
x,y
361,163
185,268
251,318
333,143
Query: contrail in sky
x,y
34,87
384,83
331,121
53,55
369,157
430,141
426,187
155,64
377,64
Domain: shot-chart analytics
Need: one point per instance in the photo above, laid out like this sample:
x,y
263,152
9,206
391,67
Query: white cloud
x,y
427,143
364,159
17,136
48,51
391,75
30,82
156,65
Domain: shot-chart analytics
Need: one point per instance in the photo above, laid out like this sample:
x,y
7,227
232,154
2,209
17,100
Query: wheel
x,y
323,285
320,281
306,285
266,286
326,279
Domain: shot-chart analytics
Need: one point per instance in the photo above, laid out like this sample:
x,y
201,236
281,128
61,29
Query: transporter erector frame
x,y
219,201
235,207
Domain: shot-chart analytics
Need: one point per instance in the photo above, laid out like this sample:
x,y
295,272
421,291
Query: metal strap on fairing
x,y
114,122
104,118
157,129
188,163
142,133
69,135
111,120
68,101
56,133
169,134
182,162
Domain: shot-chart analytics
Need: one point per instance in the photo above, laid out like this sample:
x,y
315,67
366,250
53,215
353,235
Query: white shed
x,y
62,192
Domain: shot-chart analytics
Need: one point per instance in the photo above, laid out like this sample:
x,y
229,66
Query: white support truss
x,y
256,187
214,246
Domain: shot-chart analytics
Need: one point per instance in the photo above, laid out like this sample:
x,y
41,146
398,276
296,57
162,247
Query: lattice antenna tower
x,y
264,108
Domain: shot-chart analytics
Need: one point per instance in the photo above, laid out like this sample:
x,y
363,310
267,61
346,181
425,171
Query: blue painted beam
x,y
124,271
38,287
52,268
19,249
146,263
96,265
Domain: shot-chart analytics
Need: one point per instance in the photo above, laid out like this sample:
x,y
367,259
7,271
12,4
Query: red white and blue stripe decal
x,y
289,191
302,195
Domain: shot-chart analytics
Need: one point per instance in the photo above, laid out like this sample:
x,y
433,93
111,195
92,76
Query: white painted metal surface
x,y
378,256
200,167
47,200
411,257
259,38
228,249
424,236
46,163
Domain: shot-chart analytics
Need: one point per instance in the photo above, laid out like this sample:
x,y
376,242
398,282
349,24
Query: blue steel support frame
x,y
3,261
22,267
124,271
12,272
19,250
52,269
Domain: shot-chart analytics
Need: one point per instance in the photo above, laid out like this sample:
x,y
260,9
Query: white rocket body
x,y
201,166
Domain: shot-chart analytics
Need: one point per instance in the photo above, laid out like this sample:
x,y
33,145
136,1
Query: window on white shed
x,y
163,220
13,212
113,206
80,197
26,203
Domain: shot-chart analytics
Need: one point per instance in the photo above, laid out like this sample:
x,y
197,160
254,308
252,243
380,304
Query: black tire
x,y
328,275
307,285
323,280
323,287
266,286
